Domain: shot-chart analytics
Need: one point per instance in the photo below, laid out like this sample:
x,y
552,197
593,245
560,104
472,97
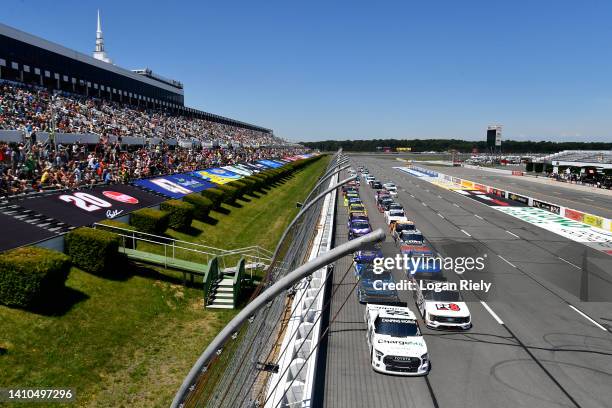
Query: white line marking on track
x,y
507,261
441,216
588,318
513,234
412,195
566,261
439,196
466,233
491,312
424,203
478,216
455,205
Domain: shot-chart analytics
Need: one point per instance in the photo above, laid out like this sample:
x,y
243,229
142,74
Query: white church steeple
x,y
99,53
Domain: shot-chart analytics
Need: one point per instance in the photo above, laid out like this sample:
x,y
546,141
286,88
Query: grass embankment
x,y
130,342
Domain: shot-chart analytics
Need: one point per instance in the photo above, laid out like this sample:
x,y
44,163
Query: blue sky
x,y
315,70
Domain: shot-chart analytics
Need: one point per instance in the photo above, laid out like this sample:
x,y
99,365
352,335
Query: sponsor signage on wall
x,y
547,206
519,198
175,186
217,175
270,163
574,215
238,170
85,207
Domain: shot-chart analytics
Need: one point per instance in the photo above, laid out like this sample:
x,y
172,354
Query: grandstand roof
x,y
67,52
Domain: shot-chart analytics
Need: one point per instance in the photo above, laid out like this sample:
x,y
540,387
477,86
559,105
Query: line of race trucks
x,y
393,335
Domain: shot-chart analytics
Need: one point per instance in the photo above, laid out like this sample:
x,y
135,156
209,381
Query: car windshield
x,y
361,224
404,227
357,207
396,207
411,236
396,213
395,327
443,296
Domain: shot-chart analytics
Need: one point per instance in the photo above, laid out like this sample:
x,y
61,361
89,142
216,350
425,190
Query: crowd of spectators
x,y
35,109
591,180
33,166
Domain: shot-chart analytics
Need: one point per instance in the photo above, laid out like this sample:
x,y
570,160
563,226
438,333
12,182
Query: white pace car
x,y
395,341
395,216
444,309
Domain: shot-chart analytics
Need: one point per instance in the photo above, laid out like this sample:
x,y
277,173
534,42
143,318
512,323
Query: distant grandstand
x,y
598,158
31,60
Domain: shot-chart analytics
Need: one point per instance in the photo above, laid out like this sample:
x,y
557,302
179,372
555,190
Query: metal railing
x,y
238,366
256,257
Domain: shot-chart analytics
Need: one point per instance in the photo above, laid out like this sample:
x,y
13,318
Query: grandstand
x,y
51,69
597,158
69,120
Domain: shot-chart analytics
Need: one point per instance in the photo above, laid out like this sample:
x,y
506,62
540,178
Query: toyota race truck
x,y
444,309
395,341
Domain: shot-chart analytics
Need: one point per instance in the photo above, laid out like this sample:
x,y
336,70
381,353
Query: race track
x,y
530,349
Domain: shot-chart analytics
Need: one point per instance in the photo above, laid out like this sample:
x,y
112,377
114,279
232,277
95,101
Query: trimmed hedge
x,y
201,204
251,184
229,193
214,195
93,250
241,187
181,213
150,221
30,273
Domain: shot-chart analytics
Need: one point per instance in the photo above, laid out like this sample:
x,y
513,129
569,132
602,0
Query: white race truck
x,y
395,341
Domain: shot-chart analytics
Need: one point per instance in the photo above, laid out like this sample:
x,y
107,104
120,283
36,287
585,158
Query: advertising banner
x,y
249,167
238,170
466,183
574,215
519,198
498,192
85,207
593,220
16,233
547,206
175,186
270,163
217,175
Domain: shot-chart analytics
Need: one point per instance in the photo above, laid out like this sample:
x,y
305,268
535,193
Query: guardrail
x,y
234,368
304,327
256,256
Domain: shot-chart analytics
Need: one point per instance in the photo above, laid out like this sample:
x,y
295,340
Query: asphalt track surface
x,y
581,200
532,349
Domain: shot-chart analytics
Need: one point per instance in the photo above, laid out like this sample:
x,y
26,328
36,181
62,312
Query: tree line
x,y
464,146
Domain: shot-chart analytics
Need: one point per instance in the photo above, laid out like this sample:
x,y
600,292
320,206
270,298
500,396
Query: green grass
x,y
260,220
131,342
